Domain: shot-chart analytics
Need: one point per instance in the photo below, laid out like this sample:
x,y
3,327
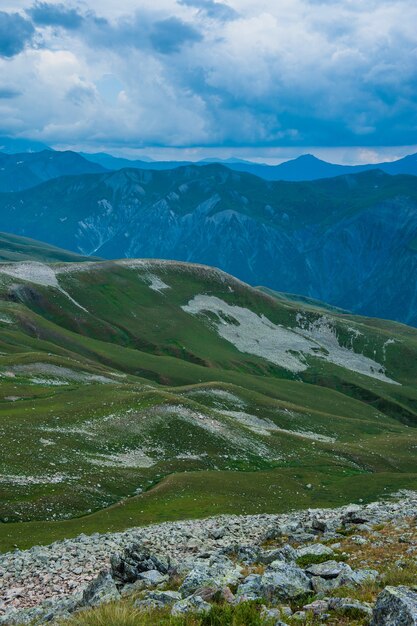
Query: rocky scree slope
x,y
349,241
306,567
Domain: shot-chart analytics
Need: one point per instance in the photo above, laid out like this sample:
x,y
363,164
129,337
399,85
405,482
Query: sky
x,y
260,79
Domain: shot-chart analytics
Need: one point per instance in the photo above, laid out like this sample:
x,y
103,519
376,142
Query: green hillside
x,y
15,248
173,390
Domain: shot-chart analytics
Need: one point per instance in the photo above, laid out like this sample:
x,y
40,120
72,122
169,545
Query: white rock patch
x,y
132,458
285,347
155,283
39,274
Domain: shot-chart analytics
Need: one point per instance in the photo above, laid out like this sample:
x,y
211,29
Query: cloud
x,y
194,72
9,93
46,14
15,33
215,10
171,34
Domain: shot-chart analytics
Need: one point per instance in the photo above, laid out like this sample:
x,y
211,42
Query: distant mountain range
x,y
28,169
35,163
350,241
305,167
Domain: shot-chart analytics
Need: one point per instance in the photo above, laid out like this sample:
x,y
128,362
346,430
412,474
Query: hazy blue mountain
x,y
350,241
22,171
305,167
13,145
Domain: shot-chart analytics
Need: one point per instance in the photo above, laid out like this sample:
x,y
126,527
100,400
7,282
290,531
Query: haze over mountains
x,y
32,166
349,240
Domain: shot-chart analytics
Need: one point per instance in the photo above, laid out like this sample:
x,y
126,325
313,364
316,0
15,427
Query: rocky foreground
x,y
328,565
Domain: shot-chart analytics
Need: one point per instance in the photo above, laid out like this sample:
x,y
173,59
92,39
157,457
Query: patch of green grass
x,y
124,614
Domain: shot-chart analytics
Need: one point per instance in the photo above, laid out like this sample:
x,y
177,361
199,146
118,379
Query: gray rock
x,y
135,560
218,572
396,606
314,550
193,604
286,553
328,569
359,577
284,581
101,590
153,577
349,607
250,588
158,599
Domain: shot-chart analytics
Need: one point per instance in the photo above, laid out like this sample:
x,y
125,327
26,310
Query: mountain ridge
x,y
348,241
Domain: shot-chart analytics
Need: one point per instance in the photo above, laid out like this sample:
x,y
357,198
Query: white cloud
x,y
289,73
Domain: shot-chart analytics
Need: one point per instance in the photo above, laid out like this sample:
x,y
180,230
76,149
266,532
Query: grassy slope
x,y
15,248
161,364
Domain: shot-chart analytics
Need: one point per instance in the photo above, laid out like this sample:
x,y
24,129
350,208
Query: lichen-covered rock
x,y
250,588
314,550
194,604
101,590
153,577
284,581
135,560
328,569
219,572
158,599
349,607
396,606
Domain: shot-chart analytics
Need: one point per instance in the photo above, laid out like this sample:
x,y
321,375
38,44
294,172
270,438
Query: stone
x,y
318,607
395,606
193,604
284,581
217,533
359,577
153,577
250,588
318,524
328,569
314,550
101,590
286,553
349,607
218,572
158,599
135,560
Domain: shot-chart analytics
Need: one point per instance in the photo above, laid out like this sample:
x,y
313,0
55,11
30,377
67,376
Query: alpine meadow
x,y
208,313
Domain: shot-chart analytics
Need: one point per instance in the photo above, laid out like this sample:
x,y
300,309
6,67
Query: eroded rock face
x,y
396,606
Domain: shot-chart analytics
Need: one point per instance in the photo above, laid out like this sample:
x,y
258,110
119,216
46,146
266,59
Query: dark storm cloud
x,y
46,14
15,33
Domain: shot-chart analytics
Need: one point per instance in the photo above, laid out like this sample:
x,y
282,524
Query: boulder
x,y
314,550
218,572
349,607
101,590
153,577
284,581
250,588
135,560
194,604
328,569
286,553
158,599
396,606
